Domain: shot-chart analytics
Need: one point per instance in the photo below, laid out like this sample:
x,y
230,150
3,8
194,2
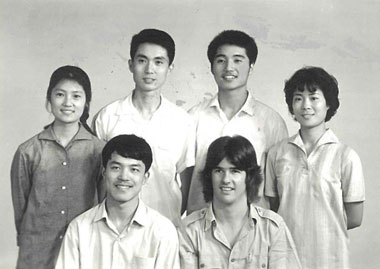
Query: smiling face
x,y
150,67
228,184
124,178
310,109
231,67
67,101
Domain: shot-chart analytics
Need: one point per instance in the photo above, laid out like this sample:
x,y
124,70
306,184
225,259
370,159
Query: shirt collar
x,y
48,134
328,137
141,215
248,106
126,105
210,217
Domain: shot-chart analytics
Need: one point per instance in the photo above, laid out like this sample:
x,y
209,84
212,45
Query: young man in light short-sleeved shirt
x,y
233,110
146,113
121,232
313,180
231,232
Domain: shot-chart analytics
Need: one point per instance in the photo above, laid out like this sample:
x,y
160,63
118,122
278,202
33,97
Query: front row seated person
x,y
121,232
231,232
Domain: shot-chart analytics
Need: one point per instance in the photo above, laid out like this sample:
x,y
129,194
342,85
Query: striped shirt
x,y
312,191
257,122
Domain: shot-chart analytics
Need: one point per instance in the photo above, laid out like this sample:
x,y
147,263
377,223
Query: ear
x,y
251,68
103,172
48,105
146,177
130,65
171,67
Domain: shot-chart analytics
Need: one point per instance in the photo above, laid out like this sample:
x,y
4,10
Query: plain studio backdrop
x,y
36,37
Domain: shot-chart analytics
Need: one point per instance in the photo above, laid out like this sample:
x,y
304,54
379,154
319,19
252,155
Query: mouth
x,y
226,189
148,80
67,111
307,116
229,77
123,186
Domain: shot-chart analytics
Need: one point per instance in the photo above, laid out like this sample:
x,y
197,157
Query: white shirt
x,y
169,133
257,122
92,241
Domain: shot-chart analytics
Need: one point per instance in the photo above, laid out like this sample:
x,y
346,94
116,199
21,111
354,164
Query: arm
x,y
185,186
354,213
68,257
270,184
187,253
20,186
168,255
274,203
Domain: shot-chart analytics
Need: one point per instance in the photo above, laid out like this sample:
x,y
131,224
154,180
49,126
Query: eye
x,y
238,61
159,62
219,60
297,99
235,171
141,60
77,96
216,170
59,94
115,168
314,98
135,170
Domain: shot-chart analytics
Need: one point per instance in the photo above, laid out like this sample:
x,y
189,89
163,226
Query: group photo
x,y
192,134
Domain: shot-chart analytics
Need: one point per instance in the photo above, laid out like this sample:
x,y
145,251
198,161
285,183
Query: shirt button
x,y
263,265
202,265
64,163
63,212
63,187
61,236
233,260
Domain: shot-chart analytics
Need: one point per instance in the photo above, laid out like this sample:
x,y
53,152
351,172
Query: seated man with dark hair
x,y
121,232
231,232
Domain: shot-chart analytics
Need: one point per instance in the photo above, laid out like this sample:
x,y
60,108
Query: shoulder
x,y
272,218
159,223
266,111
112,108
31,146
201,107
194,217
84,220
173,110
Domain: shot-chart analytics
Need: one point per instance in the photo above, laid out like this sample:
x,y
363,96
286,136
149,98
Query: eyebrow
x,y
235,55
155,58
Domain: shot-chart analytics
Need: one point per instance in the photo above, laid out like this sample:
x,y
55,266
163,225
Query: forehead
x,y
225,163
230,50
151,50
308,90
68,85
116,158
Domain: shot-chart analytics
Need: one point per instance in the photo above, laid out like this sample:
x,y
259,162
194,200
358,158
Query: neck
x,y
121,214
65,131
146,102
233,214
310,136
231,101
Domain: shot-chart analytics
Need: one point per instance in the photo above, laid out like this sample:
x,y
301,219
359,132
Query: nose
x,y
226,177
149,67
229,65
67,100
124,174
306,103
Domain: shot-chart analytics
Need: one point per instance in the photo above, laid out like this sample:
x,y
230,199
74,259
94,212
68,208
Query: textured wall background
x,y
38,36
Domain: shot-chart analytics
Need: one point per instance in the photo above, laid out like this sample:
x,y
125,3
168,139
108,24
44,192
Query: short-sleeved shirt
x,y
168,133
312,191
257,122
51,185
264,242
92,241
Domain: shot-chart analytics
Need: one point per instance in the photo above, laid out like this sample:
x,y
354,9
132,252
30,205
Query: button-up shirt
x,y
263,242
312,191
92,241
257,122
51,185
168,133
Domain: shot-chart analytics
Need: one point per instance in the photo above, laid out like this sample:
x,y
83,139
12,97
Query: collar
x,y
126,106
210,217
248,106
141,215
48,134
328,137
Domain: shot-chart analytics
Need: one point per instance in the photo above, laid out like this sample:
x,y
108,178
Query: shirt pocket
x,y
142,262
210,262
257,260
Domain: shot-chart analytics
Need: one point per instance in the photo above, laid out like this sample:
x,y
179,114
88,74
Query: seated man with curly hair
x,y
230,231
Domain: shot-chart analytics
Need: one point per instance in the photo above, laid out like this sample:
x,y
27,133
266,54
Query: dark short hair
x,y
153,36
74,73
239,152
128,146
312,78
233,37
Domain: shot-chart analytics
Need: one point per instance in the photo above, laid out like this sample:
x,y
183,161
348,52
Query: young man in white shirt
x,y
233,110
146,113
121,232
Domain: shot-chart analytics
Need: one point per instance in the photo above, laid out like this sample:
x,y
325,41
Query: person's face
x,y
124,178
231,67
228,183
150,67
310,108
67,101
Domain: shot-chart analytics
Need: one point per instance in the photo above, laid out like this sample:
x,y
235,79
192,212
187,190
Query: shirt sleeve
x,y
282,252
20,185
167,256
352,178
68,257
97,126
187,158
270,185
187,253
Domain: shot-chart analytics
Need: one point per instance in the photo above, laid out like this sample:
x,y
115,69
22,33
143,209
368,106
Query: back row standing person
x,y
146,113
56,175
233,111
314,181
